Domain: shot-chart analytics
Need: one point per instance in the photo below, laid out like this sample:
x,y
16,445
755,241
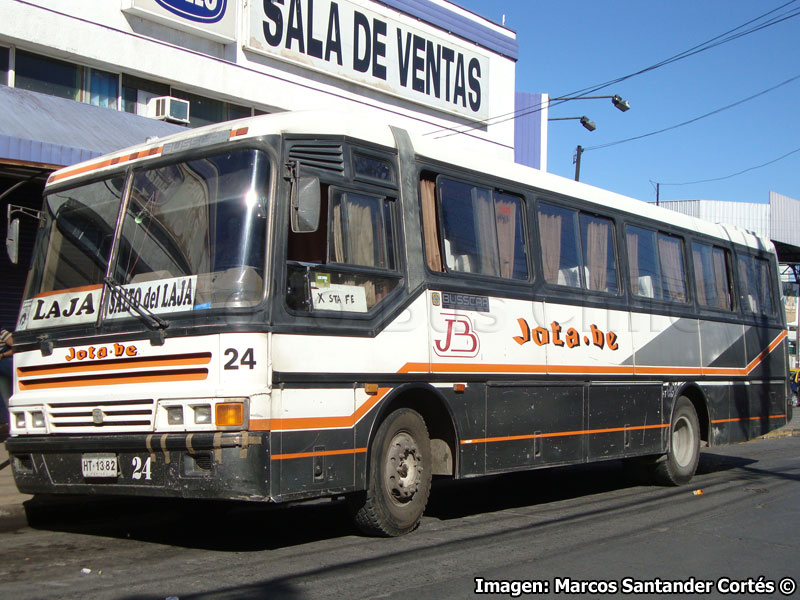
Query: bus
x,y
310,306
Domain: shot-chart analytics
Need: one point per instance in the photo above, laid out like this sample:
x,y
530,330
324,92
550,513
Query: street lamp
x,y
616,100
585,121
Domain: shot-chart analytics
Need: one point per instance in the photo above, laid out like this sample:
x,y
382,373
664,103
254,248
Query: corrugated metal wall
x,y
784,219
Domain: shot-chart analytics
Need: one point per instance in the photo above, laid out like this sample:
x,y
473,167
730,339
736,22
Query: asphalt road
x,y
558,530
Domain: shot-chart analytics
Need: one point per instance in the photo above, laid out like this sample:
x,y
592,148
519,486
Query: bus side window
x,y
599,256
673,272
482,229
656,264
643,262
332,268
755,285
712,276
561,258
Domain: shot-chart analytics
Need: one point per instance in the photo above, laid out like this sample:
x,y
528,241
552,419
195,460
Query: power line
x,y
708,114
796,150
707,45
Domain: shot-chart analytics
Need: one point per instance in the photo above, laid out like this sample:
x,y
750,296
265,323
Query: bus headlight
x,y
37,419
202,414
175,415
19,420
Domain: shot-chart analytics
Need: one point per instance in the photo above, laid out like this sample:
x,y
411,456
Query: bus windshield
x,y
192,237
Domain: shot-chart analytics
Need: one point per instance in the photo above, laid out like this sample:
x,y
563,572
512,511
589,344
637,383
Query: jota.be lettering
x,y
93,352
571,338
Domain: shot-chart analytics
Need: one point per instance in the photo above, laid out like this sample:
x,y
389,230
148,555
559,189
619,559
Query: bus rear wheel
x,y
678,465
399,477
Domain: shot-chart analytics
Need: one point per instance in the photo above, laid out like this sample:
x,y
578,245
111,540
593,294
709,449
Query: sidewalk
x,y
12,511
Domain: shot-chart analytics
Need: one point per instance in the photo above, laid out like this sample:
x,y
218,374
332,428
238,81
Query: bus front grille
x,y
87,416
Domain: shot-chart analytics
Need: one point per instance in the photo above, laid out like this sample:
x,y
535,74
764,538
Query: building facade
x,y
79,79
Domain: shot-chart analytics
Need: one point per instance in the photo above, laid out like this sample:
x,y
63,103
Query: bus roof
x,y
465,151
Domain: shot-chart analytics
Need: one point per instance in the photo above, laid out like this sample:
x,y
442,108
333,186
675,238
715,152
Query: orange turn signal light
x,y
230,414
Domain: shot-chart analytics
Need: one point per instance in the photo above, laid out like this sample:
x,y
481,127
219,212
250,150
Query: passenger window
x,y
361,232
482,230
599,257
338,268
673,273
656,264
373,168
559,243
755,285
712,276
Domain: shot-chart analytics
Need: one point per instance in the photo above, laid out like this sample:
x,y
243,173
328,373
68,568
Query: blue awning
x,y
42,129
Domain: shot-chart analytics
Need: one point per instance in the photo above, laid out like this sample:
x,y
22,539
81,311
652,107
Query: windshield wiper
x,y
152,320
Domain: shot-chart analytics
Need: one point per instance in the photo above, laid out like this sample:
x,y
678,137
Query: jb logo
x,y
460,338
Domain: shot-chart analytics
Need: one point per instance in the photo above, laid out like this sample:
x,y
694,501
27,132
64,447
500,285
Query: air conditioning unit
x,y
167,108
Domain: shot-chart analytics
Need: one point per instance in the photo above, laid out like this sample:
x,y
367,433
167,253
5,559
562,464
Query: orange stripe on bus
x,y
260,424
84,288
112,364
297,423
116,379
323,453
104,163
736,419
512,438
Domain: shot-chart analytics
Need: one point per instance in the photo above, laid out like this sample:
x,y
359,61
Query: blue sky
x,y
568,45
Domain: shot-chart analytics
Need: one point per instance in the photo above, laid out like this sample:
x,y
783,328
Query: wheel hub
x,y
403,468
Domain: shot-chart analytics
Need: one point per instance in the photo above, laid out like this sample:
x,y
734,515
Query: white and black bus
x,y
302,306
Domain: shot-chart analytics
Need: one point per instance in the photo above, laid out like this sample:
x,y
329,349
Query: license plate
x,y
99,465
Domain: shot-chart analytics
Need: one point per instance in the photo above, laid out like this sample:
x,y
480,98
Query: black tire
x,y
398,477
683,454
678,465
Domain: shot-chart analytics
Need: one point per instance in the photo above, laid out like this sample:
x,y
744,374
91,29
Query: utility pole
x,y
578,152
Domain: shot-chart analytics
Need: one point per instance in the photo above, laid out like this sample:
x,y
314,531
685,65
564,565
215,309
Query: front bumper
x,y
229,465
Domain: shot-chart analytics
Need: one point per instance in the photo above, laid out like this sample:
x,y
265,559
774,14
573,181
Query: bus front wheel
x,y
399,476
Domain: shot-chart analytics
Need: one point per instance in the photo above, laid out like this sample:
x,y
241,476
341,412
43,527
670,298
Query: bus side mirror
x,y
305,204
12,241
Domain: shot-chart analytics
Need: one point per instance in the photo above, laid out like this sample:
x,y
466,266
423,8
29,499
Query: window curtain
x,y
701,277
433,255
506,216
550,235
597,234
354,232
765,295
669,250
632,244
721,280
486,233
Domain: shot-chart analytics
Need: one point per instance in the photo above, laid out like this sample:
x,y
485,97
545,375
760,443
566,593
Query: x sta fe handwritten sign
x,y
343,298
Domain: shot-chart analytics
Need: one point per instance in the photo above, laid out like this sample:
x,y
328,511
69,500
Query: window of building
x,y
136,92
755,285
4,53
205,111
712,276
482,230
66,80
656,264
